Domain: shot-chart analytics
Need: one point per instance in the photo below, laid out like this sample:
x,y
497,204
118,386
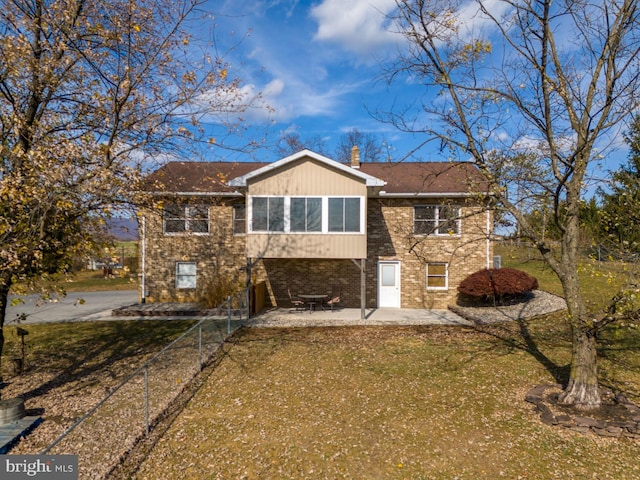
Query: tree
x,y
620,204
291,143
371,149
88,90
548,78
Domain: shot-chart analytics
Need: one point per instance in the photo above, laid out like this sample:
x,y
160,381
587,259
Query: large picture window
x,y
306,214
186,219
436,220
344,214
268,214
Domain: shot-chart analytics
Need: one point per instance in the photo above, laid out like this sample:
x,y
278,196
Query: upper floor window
x,y
239,219
306,214
268,214
181,218
436,220
344,215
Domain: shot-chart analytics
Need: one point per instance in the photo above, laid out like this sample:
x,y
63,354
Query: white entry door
x,y
389,284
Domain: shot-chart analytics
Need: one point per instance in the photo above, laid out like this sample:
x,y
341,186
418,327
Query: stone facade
x,y
389,238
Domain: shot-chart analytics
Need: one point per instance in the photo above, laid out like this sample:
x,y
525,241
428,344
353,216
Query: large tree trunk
x,y
582,390
4,298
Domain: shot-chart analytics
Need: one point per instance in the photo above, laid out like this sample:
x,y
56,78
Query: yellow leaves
x,y
136,28
475,50
223,73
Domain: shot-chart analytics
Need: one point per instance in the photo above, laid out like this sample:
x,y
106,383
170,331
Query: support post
x,y
363,288
248,283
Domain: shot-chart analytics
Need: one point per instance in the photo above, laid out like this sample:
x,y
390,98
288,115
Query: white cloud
x,y
358,26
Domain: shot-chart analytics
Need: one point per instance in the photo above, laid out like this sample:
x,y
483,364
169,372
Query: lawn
x,y
349,402
70,367
386,403
83,281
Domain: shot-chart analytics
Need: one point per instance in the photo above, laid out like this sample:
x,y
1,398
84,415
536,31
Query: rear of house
x,y
395,235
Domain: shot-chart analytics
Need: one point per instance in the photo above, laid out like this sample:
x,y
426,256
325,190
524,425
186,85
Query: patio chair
x,y
297,303
334,298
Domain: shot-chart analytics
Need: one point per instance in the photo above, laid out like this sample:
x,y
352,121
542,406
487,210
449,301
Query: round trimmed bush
x,y
495,283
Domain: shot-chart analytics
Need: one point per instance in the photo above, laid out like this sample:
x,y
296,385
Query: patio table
x,y
312,299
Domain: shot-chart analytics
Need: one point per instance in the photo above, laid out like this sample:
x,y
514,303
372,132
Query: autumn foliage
x,y
495,283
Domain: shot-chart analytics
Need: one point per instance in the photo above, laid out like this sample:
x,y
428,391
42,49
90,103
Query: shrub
x,y
497,283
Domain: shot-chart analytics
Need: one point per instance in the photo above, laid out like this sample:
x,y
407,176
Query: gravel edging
x,y
535,304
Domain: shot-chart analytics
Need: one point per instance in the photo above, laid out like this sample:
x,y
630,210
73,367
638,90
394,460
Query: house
x,y
398,235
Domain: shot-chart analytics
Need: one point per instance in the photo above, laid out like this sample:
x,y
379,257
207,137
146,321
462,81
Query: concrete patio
x,y
288,317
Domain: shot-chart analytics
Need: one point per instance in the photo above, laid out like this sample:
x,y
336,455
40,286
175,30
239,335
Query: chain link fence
x,y
107,431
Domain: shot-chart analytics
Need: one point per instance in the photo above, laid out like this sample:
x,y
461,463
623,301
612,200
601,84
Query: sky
x,y
315,63
317,66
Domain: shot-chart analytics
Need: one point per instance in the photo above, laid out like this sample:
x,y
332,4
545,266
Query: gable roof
x,y
404,179
370,180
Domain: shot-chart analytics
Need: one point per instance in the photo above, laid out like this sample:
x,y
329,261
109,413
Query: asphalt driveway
x,y
76,306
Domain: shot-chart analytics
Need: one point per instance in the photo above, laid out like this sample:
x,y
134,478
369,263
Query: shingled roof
x,y
402,179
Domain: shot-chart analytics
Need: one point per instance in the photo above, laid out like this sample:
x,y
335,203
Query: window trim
x,y
436,221
186,218
324,215
445,276
183,276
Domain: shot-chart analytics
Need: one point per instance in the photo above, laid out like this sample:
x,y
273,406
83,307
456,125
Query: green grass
x,y
84,281
599,281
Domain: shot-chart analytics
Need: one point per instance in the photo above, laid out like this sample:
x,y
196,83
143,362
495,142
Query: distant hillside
x,y
123,229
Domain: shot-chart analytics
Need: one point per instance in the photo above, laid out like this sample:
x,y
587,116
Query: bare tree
x,y
371,148
553,80
291,143
88,89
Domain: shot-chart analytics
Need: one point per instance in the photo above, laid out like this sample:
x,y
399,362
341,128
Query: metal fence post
x,y
200,345
146,398
229,315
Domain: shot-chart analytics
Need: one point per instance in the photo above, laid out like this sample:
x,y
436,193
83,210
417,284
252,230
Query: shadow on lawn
x,y
103,351
511,322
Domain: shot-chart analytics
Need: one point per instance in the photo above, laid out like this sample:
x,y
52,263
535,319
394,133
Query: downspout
x,y
143,261
489,262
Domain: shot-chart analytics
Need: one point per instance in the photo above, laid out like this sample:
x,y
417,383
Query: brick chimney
x,y
355,157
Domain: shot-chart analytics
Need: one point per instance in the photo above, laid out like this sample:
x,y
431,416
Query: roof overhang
x,y
197,194
430,195
370,181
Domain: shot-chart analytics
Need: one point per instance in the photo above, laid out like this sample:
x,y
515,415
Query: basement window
x,y
185,275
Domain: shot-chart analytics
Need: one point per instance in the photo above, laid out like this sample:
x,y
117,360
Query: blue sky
x,y
317,66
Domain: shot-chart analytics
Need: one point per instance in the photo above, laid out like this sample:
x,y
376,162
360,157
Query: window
x,y
306,214
436,220
437,276
186,218
185,275
267,214
239,219
344,215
